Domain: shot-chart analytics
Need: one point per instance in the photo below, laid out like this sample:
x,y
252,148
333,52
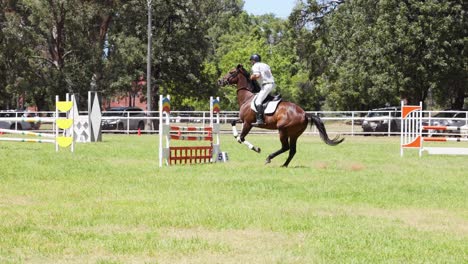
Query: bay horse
x,y
289,119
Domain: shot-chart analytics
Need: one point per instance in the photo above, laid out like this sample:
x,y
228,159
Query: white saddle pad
x,y
270,108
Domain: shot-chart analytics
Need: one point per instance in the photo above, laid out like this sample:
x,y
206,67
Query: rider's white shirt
x,y
265,73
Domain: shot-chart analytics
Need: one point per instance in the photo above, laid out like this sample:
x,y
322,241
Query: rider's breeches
x,y
266,89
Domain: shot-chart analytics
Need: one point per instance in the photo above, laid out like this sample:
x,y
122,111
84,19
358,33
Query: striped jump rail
x,y
26,133
445,128
191,129
444,139
60,140
192,138
29,119
30,140
186,133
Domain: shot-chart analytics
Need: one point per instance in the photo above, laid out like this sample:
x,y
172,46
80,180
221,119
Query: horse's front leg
x,y
241,138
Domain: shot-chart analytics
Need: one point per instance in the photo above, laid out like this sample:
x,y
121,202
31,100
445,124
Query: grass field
x,y
108,202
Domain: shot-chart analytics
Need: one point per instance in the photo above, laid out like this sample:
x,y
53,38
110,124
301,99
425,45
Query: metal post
x,y
389,129
149,123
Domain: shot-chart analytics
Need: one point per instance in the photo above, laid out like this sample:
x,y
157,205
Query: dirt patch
x,y
426,220
321,165
356,167
420,219
239,246
201,245
345,166
15,200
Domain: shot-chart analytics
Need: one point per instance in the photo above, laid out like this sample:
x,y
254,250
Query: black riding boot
x,y
260,120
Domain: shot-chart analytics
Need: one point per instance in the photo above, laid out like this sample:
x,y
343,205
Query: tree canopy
x,y
365,53
328,55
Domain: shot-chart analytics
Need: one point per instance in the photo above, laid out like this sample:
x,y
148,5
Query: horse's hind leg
x,y
284,146
292,151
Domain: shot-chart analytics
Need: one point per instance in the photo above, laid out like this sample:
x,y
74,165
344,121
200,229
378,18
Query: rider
x,y
261,72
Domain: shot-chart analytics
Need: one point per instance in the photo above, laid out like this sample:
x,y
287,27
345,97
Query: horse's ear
x,y
239,66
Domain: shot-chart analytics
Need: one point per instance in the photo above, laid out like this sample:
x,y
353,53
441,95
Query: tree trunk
x,y
461,93
106,19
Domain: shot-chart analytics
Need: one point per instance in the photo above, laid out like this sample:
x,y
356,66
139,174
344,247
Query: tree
x,y
15,42
365,54
61,46
76,46
308,29
266,35
181,42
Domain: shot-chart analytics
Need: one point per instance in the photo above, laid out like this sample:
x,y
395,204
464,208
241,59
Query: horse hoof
x,y
267,161
258,150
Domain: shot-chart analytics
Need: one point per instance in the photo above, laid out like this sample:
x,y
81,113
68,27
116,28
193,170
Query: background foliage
x,y
329,55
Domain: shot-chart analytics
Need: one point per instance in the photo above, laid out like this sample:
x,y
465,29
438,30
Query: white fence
x,y
385,123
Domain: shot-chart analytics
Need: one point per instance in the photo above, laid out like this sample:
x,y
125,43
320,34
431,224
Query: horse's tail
x,y
323,132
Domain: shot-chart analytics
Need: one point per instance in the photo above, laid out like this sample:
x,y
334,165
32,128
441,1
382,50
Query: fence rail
x,y
336,122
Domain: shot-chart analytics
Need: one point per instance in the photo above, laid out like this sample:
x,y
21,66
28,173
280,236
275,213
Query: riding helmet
x,y
256,58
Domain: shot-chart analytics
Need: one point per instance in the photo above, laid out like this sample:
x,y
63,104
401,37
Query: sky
x,y
281,8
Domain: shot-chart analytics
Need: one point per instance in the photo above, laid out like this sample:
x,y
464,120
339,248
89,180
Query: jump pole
x,y
61,126
164,120
411,133
188,154
26,133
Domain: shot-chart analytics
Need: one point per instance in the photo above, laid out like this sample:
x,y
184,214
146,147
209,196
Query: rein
x,y
242,88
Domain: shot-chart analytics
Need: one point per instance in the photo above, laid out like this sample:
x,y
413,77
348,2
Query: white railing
x,y
336,122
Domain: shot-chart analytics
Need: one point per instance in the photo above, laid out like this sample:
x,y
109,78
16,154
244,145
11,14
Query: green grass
x,y
108,202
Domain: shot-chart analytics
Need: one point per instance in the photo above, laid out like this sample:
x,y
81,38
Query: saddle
x,y
269,104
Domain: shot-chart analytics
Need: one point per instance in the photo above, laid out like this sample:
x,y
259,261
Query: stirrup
x,y
259,122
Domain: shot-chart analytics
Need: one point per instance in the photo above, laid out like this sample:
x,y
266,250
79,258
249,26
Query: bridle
x,y
233,75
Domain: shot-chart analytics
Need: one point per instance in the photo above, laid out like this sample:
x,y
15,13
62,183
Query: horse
x,y
289,119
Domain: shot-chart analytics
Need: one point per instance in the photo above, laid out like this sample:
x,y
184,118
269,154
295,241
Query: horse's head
x,y
232,77
238,75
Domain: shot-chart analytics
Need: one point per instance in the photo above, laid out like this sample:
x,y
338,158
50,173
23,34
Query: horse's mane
x,y
254,87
